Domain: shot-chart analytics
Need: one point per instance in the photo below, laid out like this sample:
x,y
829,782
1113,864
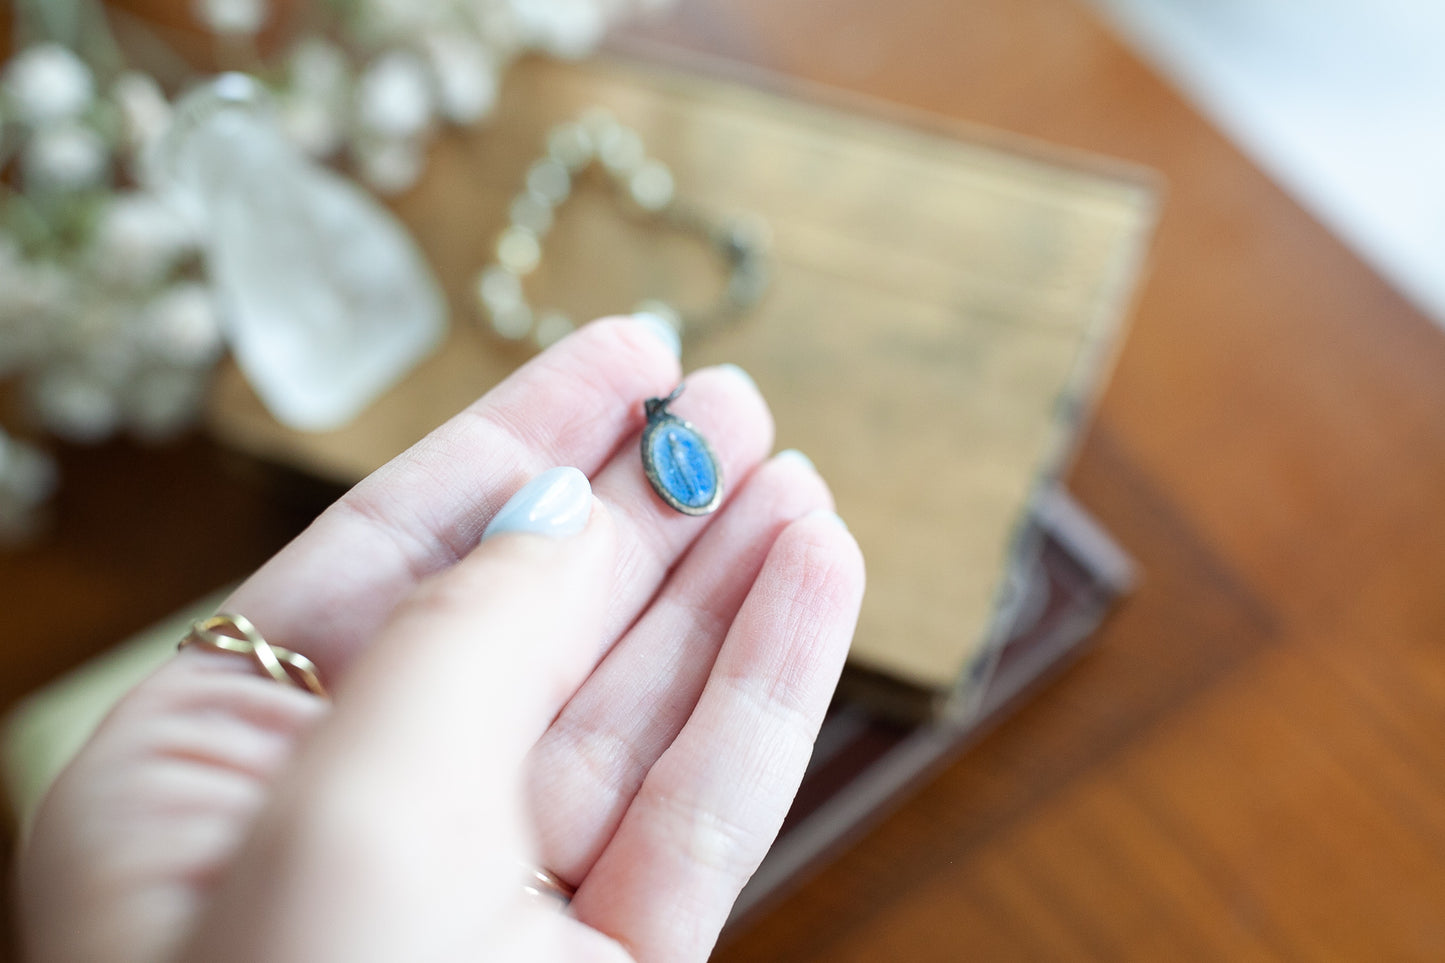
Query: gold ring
x,y
229,632
541,882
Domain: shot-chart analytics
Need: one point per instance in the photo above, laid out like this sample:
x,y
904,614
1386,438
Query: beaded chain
x,y
647,186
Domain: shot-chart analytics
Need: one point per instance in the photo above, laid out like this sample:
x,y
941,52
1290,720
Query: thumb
x,y
409,795
479,659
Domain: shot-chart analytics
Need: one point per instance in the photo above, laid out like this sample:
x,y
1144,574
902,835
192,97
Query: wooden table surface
x,y
1251,762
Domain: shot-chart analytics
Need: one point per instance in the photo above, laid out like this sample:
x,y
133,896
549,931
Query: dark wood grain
x,y
1250,764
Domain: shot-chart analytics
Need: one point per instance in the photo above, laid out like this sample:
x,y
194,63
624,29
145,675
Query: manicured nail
x,y
793,454
740,373
831,516
555,503
665,332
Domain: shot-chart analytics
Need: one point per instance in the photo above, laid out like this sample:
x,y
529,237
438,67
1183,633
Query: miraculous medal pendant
x,y
679,463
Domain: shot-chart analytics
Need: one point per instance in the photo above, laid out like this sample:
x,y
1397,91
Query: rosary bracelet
x,y
647,188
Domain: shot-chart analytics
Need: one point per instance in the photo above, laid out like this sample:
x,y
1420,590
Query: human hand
x,y
630,706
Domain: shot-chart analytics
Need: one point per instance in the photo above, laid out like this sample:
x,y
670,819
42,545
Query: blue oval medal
x,y
678,461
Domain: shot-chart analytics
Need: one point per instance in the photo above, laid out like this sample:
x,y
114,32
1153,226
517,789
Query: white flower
x,y
47,82
27,480
29,299
144,111
318,69
34,298
74,405
466,77
65,156
163,403
12,260
33,289
382,19
564,28
138,239
232,18
182,325
312,125
393,97
312,109
495,23
27,474
389,166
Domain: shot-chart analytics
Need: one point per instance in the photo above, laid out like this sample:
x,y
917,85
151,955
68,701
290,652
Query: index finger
x,y
335,584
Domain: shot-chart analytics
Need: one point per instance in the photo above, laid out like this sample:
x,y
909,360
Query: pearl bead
x,y
570,145
651,186
498,288
552,327
648,183
532,212
623,153
512,322
518,250
549,180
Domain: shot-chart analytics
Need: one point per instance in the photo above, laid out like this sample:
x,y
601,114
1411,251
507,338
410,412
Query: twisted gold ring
x,y
542,882
229,632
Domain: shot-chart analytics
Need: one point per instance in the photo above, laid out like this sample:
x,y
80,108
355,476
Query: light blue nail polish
x,y
665,332
556,503
734,369
833,517
793,454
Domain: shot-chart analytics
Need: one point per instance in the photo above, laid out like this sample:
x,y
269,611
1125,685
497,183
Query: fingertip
x,y
727,403
830,516
646,337
827,551
659,328
600,523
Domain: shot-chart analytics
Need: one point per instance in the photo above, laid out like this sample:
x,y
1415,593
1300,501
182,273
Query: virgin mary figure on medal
x,y
679,463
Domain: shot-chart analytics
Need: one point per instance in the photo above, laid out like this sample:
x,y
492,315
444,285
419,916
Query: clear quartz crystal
x,y
327,300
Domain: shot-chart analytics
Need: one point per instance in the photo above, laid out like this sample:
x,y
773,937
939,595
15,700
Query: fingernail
x,y
740,373
793,454
831,516
665,332
556,503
